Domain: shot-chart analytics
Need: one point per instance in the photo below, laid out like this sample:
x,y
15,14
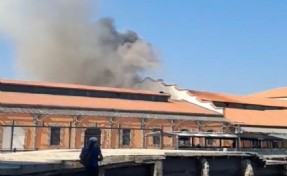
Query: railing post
x,y
12,135
110,143
76,123
142,134
36,121
70,134
239,143
119,135
176,142
161,138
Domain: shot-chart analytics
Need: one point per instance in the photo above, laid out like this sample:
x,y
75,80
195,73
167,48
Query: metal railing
x,y
72,137
111,137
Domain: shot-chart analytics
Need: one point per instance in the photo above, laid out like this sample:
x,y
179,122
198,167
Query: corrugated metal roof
x,y
261,136
265,130
281,136
193,134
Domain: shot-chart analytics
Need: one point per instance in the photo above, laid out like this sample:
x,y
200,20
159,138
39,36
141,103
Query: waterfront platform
x,y
154,162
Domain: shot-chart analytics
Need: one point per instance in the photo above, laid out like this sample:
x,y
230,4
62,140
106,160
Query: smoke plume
x,y
57,41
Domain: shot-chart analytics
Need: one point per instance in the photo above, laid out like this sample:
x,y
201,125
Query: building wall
x,y
39,137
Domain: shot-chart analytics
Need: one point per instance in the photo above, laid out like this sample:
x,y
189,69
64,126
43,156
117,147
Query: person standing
x,y
90,157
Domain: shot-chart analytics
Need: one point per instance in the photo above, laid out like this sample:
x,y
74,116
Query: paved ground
x,y
73,154
52,156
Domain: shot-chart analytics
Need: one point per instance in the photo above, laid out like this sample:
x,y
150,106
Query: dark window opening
x,y
55,136
273,108
82,93
156,139
256,144
246,106
126,136
220,104
255,107
235,105
209,142
183,141
275,144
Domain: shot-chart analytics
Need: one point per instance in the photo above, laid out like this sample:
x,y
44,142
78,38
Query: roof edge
x,y
111,110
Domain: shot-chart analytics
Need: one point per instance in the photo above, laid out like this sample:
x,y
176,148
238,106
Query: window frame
x,y
126,137
209,141
156,139
184,141
55,138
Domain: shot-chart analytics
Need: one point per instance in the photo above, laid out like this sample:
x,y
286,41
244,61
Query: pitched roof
x,y
256,118
273,93
228,98
79,87
43,100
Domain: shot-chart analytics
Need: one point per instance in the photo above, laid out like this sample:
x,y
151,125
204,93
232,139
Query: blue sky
x,y
234,46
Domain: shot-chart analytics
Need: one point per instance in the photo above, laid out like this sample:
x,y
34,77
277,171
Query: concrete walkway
x,y
52,156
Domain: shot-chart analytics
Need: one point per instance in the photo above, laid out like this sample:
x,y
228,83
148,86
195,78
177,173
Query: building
x,y
259,120
279,93
36,115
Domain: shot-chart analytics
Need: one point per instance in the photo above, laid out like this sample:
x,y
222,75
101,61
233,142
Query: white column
x,y
204,167
158,169
247,168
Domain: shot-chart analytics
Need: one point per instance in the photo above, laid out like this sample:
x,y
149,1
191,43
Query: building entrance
x,y
92,132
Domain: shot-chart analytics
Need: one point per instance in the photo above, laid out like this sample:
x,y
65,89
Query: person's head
x,y
92,142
